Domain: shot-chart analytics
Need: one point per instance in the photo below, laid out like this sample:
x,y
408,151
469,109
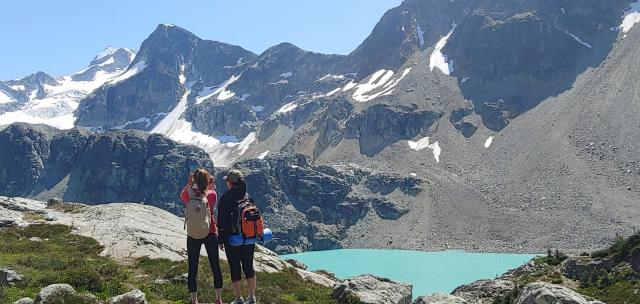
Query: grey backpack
x,y
197,216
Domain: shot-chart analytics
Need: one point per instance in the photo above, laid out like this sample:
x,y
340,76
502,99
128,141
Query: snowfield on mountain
x,y
478,125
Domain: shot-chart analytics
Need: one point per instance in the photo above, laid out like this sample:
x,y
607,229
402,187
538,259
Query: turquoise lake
x,y
429,272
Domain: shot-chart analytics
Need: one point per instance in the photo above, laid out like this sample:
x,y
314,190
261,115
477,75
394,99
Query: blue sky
x,y
60,37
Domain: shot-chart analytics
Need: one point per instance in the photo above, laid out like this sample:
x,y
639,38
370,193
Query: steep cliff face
x,y
518,115
169,60
232,118
95,168
311,207
413,26
516,54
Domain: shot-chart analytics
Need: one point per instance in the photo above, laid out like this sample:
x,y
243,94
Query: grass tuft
x,y
64,257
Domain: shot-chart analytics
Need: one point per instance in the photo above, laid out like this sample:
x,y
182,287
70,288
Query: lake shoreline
x,y
439,249
481,247
428,272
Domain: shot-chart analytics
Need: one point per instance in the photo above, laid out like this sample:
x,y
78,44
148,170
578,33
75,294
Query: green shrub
x,y
64,257
509,297
553,258
621,249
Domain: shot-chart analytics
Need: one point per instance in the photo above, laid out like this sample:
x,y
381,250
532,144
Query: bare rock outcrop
x,y
371,289
439,298
133,297
544,293
483,291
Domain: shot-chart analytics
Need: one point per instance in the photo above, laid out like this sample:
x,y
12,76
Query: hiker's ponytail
x,y
202,178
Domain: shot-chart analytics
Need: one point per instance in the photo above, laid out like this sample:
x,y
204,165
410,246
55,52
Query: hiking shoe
x,y
238,301
252,301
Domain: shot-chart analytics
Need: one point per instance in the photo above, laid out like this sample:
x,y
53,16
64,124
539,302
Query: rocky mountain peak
x,y
33,85
110,61
38,79
283,47
122,57
172,31
167,40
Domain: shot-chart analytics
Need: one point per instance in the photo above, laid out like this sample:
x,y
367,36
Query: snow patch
x,y
439,60
206,93
585,44
381,81
55,108
317,95
378,79
33,94
108,62
263,155
488,142
108,51
257,108
223,150
464,80
286,75
182,77
420,34
349,86
336,90
132,71
62,122
288,107
631,17
563,11
221,91
224,93
331,77
244,145
17,87
222,154
413,174
423,143
5,98
170,122
145,120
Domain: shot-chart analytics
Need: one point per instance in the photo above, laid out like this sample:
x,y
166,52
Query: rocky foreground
x,y
130,232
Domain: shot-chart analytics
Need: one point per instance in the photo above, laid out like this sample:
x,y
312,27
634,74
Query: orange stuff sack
x,y
250,221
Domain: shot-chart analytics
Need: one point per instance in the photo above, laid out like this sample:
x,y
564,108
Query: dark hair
x,y
241,185
202,178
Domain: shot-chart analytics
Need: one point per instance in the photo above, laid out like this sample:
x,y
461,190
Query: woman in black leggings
x,y
201,179
240,258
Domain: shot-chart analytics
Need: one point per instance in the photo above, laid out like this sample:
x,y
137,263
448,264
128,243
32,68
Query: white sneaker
x,y
252,300
239,301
